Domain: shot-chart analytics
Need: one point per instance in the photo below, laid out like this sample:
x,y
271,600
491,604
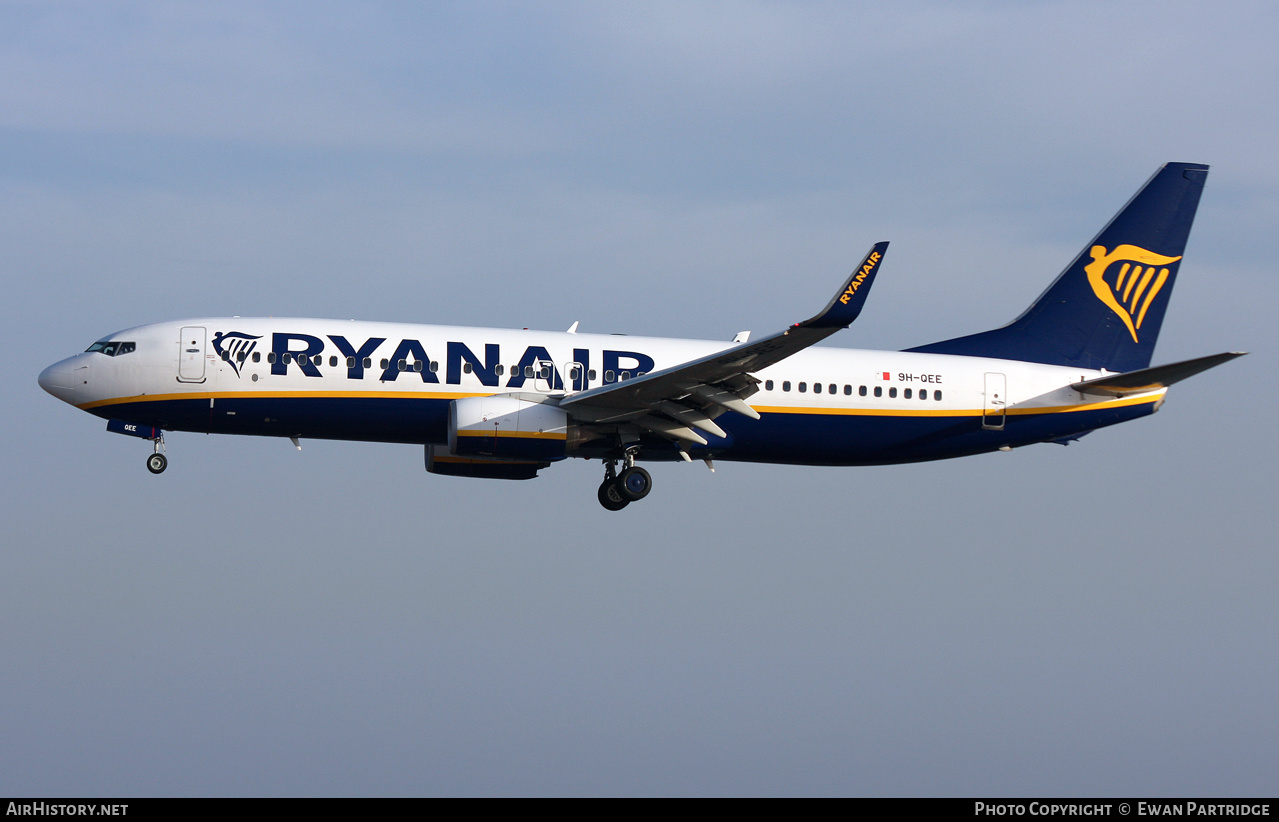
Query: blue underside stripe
x,y
817,439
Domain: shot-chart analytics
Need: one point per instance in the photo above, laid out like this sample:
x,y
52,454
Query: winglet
x,y
848,301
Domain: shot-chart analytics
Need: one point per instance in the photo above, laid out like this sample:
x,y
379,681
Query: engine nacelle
x,y
507,427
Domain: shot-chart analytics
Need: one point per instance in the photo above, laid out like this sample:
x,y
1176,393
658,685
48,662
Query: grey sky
x,y
1098,619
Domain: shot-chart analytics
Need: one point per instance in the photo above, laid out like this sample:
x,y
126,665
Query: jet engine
x,y
510,428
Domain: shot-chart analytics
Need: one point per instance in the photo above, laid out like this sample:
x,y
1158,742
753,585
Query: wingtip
x,y
848,301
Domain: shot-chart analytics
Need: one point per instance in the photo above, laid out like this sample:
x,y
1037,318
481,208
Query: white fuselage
x,y
393,382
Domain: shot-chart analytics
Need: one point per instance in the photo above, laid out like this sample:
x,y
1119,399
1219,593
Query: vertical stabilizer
x,y
1105,309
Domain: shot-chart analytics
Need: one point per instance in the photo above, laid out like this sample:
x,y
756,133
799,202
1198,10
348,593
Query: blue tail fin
x,y
1105,309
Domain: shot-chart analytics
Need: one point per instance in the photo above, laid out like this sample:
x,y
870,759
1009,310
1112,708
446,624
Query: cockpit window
x,y
112,348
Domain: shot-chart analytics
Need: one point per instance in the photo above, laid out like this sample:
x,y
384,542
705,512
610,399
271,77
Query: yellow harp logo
x,y
1138,275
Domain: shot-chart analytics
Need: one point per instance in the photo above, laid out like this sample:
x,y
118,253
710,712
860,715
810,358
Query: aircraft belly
x,y
839,439
409,420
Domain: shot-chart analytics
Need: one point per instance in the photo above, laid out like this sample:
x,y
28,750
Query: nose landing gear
x,y
157,462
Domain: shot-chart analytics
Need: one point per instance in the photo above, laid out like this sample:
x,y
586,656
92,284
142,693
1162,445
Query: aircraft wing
x,y
674,401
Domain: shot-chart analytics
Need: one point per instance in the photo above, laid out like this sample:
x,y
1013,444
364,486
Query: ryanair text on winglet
x,y
860,277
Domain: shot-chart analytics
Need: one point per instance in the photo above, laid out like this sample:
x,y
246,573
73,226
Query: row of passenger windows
x,y
545,373
862,391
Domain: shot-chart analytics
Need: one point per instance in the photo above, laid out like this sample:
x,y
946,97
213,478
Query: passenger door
x,y
191,354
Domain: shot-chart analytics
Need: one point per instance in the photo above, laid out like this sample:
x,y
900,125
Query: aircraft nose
x,y
59,380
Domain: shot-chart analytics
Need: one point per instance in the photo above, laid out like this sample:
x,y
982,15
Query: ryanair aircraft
x,y
504,404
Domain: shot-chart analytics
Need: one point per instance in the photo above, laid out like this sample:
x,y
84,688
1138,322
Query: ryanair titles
x,y
411,359
860,277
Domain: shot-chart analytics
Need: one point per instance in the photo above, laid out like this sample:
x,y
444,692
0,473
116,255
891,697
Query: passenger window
x,y
937,395
240,357
906,394
786,385
861,390
368,362
590,375
608,376
879,391
466,368
402,365
350,362
528,371
923,393
892,392
830,388
270,358
803,386
499,370
817,388
385,363
333,360
435,366
257,356
768,385
417,365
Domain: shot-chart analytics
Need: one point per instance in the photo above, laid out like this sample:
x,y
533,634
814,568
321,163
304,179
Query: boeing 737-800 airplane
x,y
504,404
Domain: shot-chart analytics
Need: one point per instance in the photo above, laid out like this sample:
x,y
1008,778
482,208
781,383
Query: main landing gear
x,y
619,490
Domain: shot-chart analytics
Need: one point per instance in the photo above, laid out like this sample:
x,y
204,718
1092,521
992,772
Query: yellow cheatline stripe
x,y
524,435
954,412
224,395
856,412
763,409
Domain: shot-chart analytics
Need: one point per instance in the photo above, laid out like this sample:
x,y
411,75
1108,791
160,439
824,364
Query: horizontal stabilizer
x,y
1149,379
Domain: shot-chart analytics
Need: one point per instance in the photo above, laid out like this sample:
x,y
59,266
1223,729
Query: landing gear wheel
x,y
156,463
610,497
634,483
